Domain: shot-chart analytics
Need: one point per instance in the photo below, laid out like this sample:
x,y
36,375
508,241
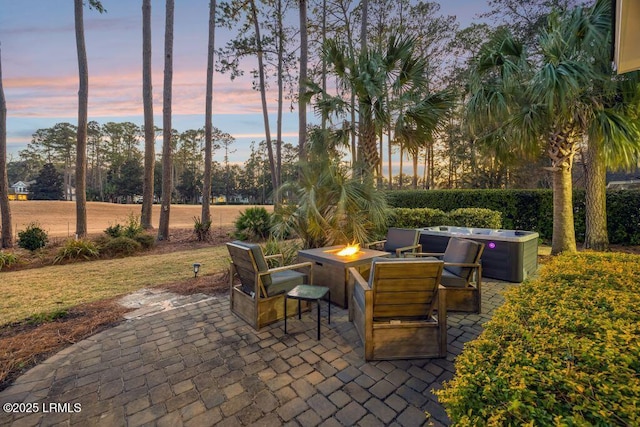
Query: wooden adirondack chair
x,y
259,297
462,275
399,241
394,311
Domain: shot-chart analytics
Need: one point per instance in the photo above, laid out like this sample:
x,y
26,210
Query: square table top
x,y
308,292
328,254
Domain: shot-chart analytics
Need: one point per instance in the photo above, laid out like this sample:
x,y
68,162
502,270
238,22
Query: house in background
x,y
19,191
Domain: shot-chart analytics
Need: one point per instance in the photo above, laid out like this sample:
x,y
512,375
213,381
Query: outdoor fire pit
x,y
332,270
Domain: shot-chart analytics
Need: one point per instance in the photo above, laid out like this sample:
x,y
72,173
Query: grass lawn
x,y
34,292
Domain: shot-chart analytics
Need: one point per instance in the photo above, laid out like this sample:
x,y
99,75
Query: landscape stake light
x,y
196,268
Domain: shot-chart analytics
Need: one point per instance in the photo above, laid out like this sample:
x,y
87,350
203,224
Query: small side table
x,y
308,293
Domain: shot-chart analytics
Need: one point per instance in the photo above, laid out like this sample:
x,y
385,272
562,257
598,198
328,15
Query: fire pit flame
x,y
349,250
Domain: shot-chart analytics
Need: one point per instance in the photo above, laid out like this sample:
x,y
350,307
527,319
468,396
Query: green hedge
x,y
417,218
475,217
531,209
563,350
427,217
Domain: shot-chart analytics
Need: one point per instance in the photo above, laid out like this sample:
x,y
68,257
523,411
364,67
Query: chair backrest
x,y
248,260
404,288
462,251
401,237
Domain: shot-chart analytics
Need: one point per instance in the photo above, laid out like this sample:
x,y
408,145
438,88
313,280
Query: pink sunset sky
x,y
39,69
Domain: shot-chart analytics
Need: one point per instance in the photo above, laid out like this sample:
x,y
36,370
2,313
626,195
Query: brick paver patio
x,y
199,365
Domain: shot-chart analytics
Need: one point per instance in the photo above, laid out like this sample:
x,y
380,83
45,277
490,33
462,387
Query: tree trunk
x,y
389,160
167,182
431,167
208,126
564,236
366,134
263,96
381,159
400,171
426,166
324,60
414,159
6,238
596,237
354,148
280,94
561,151
302,104
81,146
364,4
149,128
367,139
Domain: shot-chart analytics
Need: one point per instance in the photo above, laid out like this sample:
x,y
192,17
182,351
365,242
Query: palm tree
x,y
532,104
6,239
555,98
208,126
371,76
331,206
149,128
167,181
420,120
610,118
83,101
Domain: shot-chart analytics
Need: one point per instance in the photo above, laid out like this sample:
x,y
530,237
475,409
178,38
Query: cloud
x,y
121,94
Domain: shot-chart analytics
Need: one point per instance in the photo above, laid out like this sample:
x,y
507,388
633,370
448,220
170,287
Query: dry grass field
x,y
58,218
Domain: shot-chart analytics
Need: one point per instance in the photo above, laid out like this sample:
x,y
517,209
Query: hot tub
x,y
510,255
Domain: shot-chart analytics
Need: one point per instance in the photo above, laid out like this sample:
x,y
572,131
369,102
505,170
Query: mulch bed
x,y
25,344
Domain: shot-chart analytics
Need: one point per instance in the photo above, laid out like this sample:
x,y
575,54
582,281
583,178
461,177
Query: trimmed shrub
x,y
74,249
475,217
121,246
427,217
114,230
146,240
7,259
33,237
253,224
562,350
623,216
417,218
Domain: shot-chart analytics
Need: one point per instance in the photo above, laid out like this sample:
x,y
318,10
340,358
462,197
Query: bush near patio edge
x,y
475,217
531,209
427,217
564,349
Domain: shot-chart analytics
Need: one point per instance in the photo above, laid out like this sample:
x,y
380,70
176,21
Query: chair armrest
x,y
442,307
358,279
406,248
287,267
462,264
275,256
378,242
426,254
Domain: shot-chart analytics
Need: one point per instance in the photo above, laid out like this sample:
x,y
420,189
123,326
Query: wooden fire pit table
x,y
332,270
